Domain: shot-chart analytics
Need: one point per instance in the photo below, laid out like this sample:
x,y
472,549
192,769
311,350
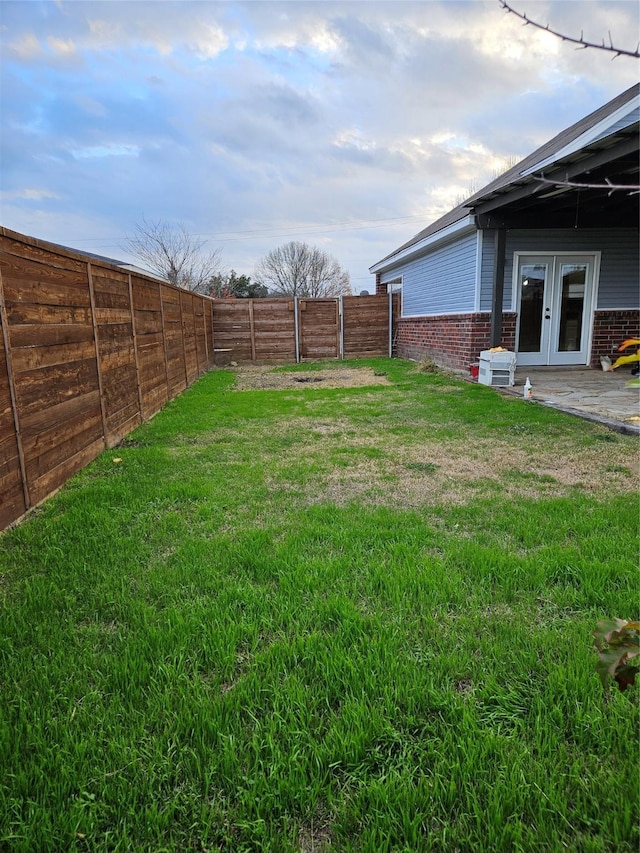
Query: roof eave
x,y
587,138
450,232
568,168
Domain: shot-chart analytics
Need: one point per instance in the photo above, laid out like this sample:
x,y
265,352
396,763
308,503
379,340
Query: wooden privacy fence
x,y
88,351
299,329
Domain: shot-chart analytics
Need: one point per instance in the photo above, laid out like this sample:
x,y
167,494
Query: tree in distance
x,y
223,286
174,254
297,269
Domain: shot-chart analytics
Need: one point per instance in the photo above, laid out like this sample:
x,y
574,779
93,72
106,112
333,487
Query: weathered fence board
x,y
319,328
152,372
232,327
47,310
56,477
208,325
34,250
264,330
13,501
116,352
87,352
189,336
174,352
365,326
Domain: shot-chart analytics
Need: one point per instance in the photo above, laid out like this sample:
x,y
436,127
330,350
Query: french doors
x,y
554,306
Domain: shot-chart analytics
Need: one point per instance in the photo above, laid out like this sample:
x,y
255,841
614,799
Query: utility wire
x,y
256,233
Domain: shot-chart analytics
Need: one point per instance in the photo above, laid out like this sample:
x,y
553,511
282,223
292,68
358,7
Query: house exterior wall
x,y
439,293
619,264
442,281
610,329
451,340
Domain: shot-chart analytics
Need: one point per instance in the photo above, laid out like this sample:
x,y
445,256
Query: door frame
x,y
553,256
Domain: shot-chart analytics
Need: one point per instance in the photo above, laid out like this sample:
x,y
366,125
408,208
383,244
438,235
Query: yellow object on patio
x,y
627,359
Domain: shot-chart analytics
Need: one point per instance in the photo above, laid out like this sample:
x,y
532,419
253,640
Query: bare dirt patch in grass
x,y
252,378
315,837
454,472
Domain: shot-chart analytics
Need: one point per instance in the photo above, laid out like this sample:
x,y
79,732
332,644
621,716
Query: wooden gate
x,y
278,329
319,328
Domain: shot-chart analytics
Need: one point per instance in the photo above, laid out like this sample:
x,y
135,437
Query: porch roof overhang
x,y
528,202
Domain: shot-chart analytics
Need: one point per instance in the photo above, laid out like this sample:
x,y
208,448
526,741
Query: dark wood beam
x,y
545,216
500,244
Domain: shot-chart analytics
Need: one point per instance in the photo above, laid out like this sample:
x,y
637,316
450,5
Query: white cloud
x,y
30,194
111,149
353,139
105,33
63,47
211,42
265,118
27,47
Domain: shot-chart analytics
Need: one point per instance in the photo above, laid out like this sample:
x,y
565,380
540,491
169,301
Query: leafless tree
x,y
580,41
172,253
297,269
474,185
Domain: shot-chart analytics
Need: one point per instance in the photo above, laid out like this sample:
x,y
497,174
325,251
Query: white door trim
x,y
590,306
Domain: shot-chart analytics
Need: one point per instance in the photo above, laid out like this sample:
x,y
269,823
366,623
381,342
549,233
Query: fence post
x,y
213,336
195,333
206,342
184,351
252,331
391,323
12,395
135,347
201,370
164,342
341,322
94,323
296,328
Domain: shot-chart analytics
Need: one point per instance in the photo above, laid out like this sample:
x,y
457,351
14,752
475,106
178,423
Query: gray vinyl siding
x,y
619,265
440,282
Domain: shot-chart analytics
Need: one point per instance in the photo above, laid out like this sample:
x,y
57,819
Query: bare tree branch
x,y
632,189
581,42
174,254
297,269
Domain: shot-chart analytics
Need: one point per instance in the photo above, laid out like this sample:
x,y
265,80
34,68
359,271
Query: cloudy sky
x,y
348,125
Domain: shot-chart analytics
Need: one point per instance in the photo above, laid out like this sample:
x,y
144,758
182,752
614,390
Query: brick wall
x,y
451,340
456,340
610,329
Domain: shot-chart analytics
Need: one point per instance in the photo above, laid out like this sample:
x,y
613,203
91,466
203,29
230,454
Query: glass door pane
x,y
572,292
532,282
572,310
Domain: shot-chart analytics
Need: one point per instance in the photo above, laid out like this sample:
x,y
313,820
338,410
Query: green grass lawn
x,y
313,619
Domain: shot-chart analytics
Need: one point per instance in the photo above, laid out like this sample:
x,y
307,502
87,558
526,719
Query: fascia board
x,y
454,230
587,137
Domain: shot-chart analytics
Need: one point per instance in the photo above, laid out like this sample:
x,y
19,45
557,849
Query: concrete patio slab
x,y
596,395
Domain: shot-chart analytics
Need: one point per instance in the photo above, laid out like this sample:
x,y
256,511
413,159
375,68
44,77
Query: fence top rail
x,y
88,257
241,300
